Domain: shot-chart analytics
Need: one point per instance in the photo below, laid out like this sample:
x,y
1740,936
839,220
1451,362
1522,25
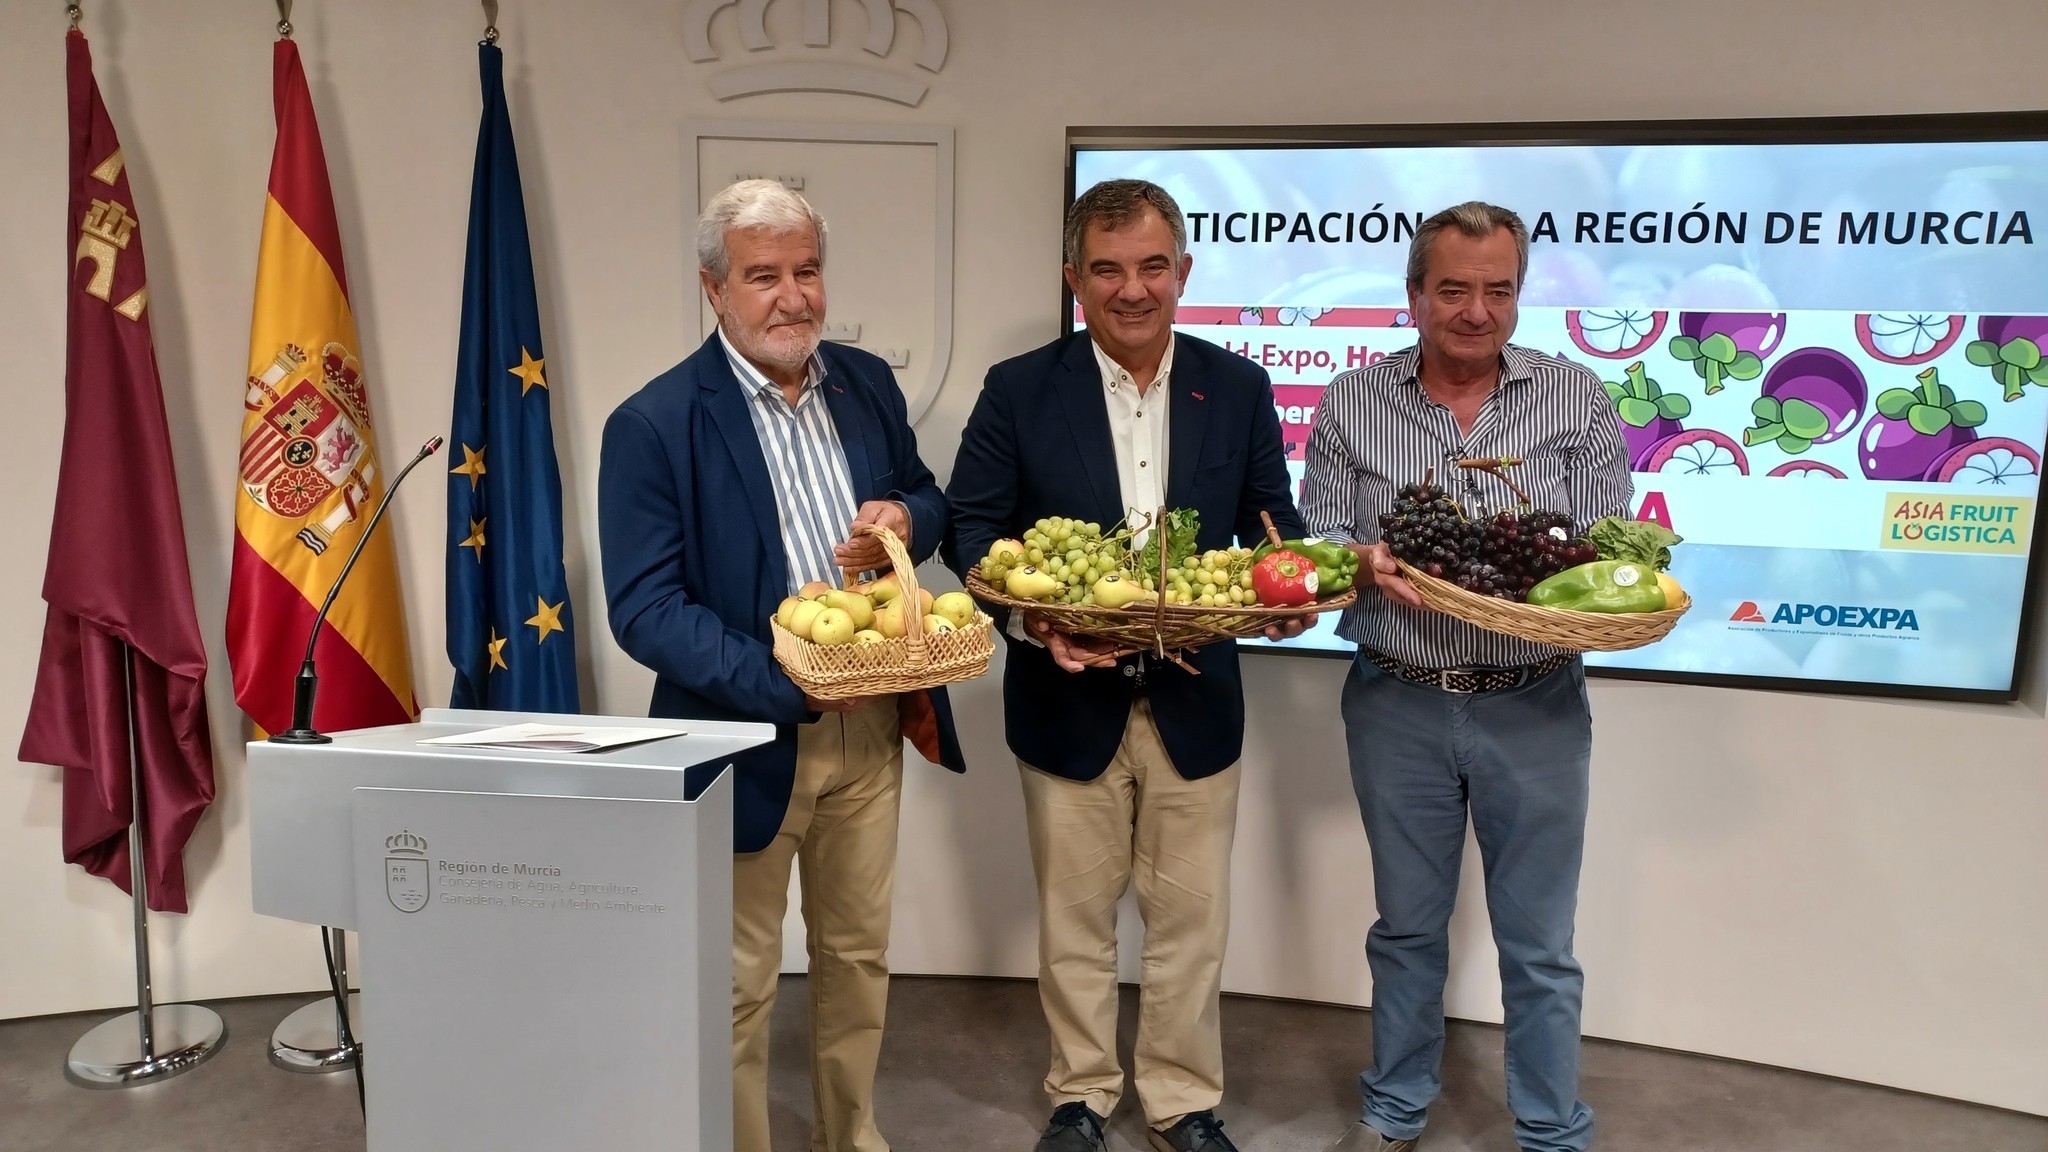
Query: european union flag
x,y
511,636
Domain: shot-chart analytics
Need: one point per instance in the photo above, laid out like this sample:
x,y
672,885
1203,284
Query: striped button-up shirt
x,y
1376,430
807,464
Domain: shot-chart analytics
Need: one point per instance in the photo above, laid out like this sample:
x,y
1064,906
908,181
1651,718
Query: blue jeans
x,y
1517,761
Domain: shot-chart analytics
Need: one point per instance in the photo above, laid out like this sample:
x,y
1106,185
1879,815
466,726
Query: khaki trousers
x,y
840,830
1138,821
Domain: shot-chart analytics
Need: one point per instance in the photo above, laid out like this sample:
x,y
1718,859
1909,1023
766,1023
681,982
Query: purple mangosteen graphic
x,y
2015,348
1916,430
1648,413
1811,396
1727,345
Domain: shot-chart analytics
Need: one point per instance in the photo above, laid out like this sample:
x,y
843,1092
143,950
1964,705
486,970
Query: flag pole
x,y
160,1041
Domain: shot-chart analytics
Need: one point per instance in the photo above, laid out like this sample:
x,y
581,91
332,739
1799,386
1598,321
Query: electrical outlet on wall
x,y
896,357
793,183
842,333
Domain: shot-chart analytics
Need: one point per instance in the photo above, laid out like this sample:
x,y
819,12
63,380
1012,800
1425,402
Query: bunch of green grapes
x,y
1218,578
1075,553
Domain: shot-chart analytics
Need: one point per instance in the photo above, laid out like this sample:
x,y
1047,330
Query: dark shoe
x,y
1196,1132
1364,1137
1073,1129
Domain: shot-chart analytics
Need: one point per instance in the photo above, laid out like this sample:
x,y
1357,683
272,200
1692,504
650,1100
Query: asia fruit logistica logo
x,y
1840,617
407,882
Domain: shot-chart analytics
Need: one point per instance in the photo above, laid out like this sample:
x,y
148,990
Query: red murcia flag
x,y
117,583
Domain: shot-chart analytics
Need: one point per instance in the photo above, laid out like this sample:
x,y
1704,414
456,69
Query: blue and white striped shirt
x,y
814,501
1376,430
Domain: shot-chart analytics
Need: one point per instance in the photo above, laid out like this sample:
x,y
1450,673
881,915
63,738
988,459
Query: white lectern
x,y
546,936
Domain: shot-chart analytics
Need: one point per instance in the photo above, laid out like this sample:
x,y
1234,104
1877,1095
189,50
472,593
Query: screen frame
x,y
1930,128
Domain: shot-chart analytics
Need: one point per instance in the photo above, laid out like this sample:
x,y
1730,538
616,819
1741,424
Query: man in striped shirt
x,y
1446,720
727,483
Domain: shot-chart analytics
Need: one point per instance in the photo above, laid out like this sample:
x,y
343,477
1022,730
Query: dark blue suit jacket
x,y
693,558
1038,445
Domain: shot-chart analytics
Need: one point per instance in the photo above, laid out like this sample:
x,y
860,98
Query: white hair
x,y
752,204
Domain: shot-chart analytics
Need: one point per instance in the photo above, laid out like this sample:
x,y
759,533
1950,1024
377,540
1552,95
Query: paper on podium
x,y
555,738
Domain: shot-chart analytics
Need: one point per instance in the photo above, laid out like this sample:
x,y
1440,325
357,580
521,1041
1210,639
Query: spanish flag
x,y
309,474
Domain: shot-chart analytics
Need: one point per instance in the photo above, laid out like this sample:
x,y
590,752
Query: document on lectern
x,y
555,737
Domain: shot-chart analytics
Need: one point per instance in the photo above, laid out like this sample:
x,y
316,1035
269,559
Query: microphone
x,y
302,731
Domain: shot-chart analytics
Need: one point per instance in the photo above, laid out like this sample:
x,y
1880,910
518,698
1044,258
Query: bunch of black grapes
x,y
1502,556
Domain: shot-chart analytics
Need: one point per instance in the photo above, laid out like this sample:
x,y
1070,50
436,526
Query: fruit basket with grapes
x,y
1526,572
1164,595
888,635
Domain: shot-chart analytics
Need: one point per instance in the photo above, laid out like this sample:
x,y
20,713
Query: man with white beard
x,y
726,484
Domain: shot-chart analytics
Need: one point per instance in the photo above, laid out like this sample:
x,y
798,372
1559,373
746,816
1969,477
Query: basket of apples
x,y
887,635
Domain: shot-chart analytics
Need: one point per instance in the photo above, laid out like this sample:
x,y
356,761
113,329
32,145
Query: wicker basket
x,y
901,664
1560,627
1159,628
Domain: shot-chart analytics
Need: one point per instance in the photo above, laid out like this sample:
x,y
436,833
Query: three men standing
x,y
726,484
1129,763
1446,720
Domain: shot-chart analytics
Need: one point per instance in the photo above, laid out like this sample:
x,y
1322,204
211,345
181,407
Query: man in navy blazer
x,y
1129,765
726,484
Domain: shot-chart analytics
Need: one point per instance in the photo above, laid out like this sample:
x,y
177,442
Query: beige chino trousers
x,y
1139,821
840,831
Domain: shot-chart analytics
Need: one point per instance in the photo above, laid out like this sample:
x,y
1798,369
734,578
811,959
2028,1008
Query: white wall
x,y
1855,887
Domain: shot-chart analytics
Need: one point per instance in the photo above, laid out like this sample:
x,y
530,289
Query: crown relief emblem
x,y
405,844
850,77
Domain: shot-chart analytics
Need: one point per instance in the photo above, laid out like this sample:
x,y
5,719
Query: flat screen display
x,y
1826,343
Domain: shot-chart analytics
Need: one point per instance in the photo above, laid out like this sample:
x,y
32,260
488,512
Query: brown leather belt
x,y
1469,679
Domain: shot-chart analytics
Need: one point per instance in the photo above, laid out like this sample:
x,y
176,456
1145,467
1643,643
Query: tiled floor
x,y
961,1070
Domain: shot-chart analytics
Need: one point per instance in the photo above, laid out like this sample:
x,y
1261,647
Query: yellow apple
x,y
833,626
889,618
955,606
933,625
868,636
805,616
884,589
787,609
853,604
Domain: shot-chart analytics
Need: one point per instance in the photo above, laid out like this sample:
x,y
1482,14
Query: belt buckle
x,y
1443,676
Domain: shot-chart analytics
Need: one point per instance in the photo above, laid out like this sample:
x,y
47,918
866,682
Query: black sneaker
x,y
1074,1128
1196,1132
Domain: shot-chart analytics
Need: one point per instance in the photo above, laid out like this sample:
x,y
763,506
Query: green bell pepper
x,y
1602,586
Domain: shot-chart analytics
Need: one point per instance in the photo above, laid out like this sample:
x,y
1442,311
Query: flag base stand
x,y
183,1036
156,1041
309,1040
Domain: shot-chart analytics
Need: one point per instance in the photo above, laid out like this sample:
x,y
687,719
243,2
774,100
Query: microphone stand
x,y
305,1041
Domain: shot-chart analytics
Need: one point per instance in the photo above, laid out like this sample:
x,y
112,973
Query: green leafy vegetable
x,y
1639,541
1181,527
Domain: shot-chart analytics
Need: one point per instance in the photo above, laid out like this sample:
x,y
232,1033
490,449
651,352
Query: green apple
x,y
786,610
955,606
853,604
833,626
805,617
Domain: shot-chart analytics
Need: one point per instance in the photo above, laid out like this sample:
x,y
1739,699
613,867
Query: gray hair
x,y
1474,218
1115,203
752,204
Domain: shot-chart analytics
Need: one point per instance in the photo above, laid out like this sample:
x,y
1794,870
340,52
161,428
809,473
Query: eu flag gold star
x,y
497,648
548,619
528,371
472,465
476,538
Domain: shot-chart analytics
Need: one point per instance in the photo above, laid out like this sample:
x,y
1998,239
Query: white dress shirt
x,y
1138,432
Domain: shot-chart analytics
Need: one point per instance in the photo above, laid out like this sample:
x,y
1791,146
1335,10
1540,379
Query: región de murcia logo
x,y
406,880
310,444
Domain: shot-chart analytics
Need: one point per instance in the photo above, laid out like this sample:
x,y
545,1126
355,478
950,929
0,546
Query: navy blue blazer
x,y
1038,445
694,564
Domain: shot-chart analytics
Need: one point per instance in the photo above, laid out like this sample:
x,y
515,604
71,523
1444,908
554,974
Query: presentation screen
x,y
1824,341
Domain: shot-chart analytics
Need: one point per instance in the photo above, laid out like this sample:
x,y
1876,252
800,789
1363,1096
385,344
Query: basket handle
x,y
906,583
